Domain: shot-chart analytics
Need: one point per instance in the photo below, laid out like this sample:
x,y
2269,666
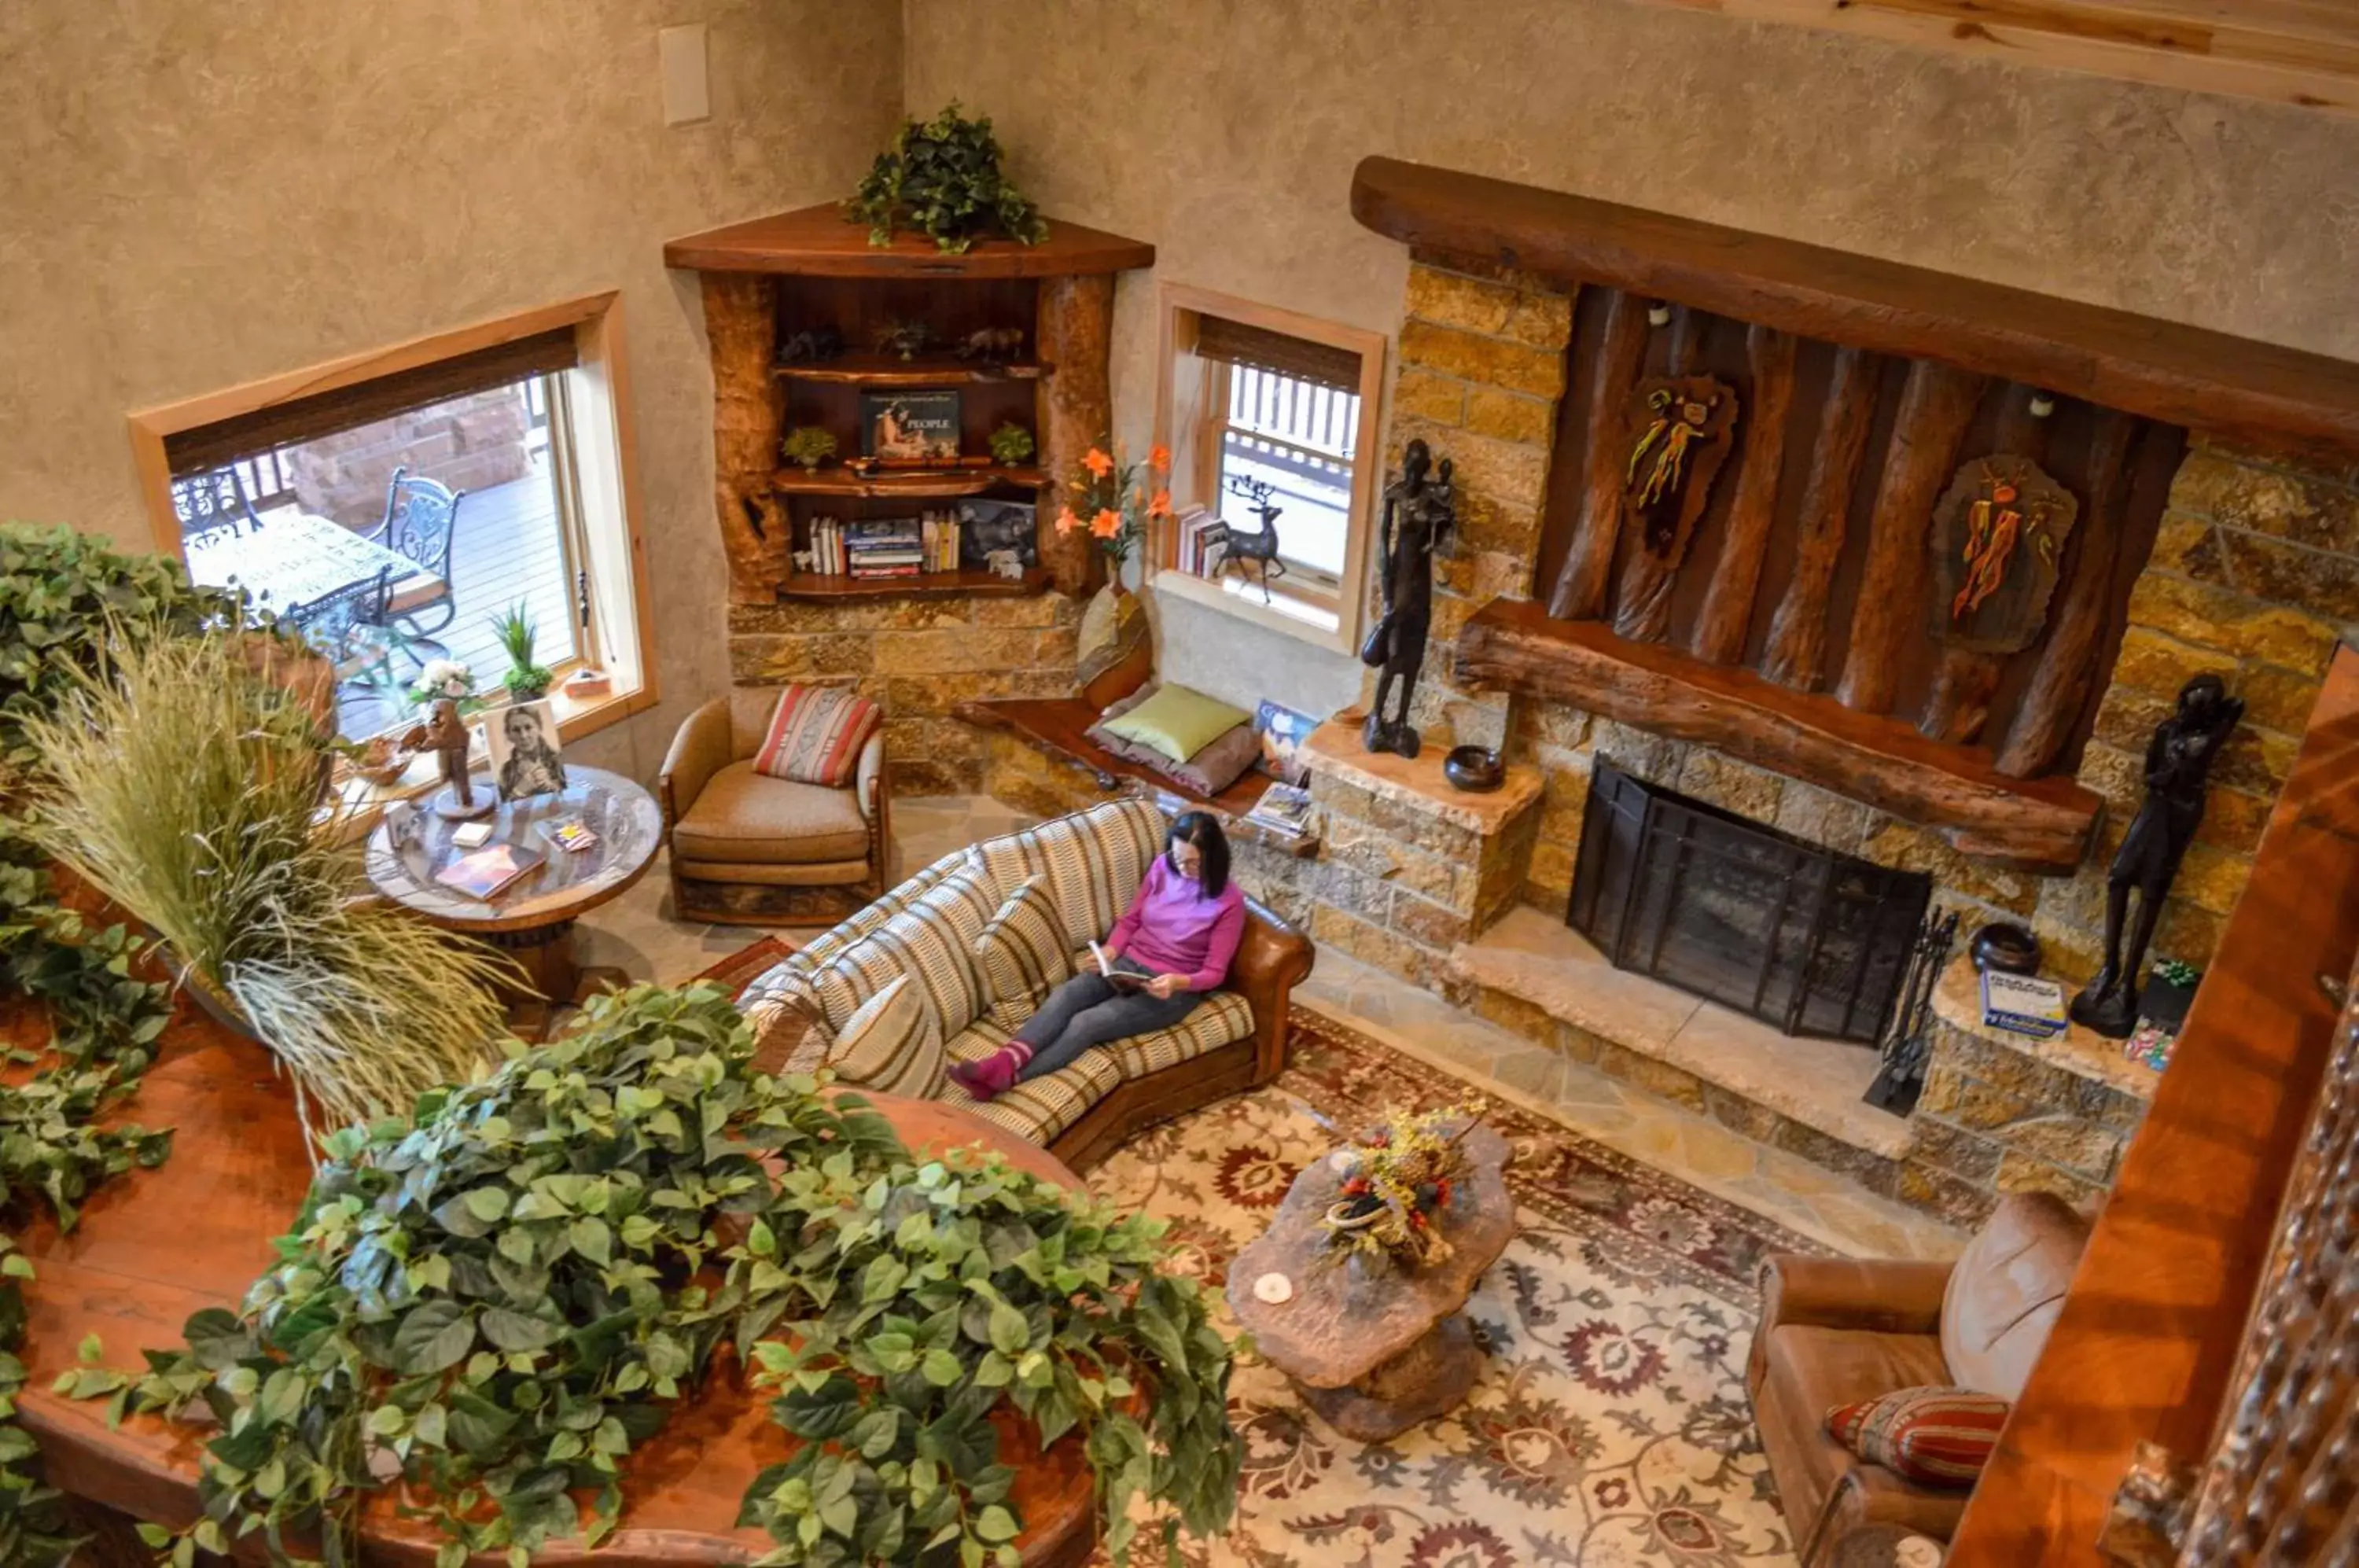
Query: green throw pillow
x,y
1178,722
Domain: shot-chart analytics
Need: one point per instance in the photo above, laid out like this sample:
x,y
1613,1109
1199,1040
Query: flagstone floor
x,y
636,933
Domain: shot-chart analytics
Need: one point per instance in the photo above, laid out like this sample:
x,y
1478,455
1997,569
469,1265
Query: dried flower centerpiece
x,y
1398,1181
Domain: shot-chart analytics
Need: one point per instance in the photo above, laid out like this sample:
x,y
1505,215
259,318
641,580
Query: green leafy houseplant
x,y
186,787
494,1300
1012,446
942,179
808,446
525,681
59,590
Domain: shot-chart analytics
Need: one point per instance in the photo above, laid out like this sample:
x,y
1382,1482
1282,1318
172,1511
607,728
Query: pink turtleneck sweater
x,y
1173,928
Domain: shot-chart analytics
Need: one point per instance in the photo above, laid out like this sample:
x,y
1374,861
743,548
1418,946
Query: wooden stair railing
x,y
2158,1342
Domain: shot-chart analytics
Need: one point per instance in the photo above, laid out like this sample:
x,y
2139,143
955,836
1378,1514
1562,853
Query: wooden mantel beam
x,y
2232,386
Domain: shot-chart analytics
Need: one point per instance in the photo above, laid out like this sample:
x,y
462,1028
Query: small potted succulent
x,y
809,446
527,681
1012,446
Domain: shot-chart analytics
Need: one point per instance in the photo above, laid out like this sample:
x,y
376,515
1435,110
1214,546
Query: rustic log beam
x,y
2040,826
2060,684
1076,335
740,325
1797,651
1719,632
1580,593
2262,393
1936,405
1963,682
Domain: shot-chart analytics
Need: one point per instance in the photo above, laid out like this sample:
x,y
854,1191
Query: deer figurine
x,y
1239,547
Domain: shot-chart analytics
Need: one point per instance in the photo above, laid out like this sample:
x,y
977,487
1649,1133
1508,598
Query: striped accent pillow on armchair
x,y
816,733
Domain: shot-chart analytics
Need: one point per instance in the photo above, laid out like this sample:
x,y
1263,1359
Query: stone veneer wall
x,y
919,659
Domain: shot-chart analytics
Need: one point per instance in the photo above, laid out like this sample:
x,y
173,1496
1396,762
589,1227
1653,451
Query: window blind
x,y
1234,342
299,418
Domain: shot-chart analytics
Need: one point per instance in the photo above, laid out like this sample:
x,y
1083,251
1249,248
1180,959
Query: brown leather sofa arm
x,y
1272,959
699,751
1881,1295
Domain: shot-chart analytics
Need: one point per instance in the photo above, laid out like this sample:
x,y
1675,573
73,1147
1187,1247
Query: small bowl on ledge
x,y
1476,769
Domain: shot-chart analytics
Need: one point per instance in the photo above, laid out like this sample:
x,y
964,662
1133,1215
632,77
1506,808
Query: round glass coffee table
x,y
530,918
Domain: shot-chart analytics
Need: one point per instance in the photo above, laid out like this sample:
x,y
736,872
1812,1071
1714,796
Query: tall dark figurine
x,y
1420,514
2177,761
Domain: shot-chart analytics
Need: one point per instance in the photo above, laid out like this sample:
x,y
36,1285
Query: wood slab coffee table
x,y
532,919
1373,1349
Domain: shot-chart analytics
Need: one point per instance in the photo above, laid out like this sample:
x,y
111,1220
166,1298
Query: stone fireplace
x,y
1780,669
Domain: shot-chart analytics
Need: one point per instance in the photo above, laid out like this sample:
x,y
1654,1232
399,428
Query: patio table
x,y
298,556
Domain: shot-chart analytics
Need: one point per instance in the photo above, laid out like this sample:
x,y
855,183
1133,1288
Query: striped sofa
x,y
927,928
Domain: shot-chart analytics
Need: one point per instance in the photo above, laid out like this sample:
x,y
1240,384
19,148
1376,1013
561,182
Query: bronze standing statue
x,y
1420,515
2177,762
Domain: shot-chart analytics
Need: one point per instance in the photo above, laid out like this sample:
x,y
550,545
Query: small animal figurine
x,y
992,345
815,343
904,340
1006,563
1237,547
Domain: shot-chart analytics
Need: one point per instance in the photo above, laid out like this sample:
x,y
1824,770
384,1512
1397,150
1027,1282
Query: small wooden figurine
x,y
447,735
1999,543
1681,427
2178,765
1420,514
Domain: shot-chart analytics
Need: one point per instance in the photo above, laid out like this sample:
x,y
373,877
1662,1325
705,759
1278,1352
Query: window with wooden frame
x,y
395,505
1271,417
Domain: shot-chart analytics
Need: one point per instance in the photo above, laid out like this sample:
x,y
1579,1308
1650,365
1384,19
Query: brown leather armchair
x,y
747,849
1834,1331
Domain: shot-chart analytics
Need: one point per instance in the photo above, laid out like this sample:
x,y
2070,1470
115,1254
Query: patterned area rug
x,y
1611,1429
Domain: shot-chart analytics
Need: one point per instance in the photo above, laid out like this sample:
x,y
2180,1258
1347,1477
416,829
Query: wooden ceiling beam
x,y
2238,388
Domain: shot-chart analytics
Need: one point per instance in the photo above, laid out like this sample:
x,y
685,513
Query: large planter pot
x,y
213,1002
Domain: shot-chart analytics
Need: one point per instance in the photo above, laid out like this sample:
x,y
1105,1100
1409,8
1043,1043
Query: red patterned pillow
x,y
816,733
1935,1437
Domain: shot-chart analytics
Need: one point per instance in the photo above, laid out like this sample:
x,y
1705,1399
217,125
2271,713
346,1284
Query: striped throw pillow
x,y
1094,861
885,1046
931,943
816,733
1023,950
1935,1437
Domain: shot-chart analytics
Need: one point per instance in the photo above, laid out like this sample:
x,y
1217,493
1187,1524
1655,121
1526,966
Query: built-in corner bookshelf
x,y
910,358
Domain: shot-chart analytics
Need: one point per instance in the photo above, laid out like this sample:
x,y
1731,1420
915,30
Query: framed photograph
x,y
988,526
1282,733
524,747
909,427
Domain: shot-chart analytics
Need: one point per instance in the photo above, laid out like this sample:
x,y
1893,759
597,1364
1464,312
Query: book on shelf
x,y
1283,808
910,571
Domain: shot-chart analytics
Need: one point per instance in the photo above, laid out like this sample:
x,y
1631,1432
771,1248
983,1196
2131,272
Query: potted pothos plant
x,y
941,177
491,1303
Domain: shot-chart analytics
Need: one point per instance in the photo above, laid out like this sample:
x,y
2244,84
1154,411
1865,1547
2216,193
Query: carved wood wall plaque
x,y
1999,543
1678,437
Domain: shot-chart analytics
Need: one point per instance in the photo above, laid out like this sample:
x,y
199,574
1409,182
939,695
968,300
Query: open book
x,y
1122,978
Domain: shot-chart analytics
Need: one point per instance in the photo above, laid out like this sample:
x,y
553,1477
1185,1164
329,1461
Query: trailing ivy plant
x,y
494,1300
59,591
942,179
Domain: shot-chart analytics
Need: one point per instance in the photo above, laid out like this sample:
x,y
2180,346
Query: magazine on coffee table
x,y
489,871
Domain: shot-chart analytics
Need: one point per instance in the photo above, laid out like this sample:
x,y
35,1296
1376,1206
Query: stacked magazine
x,y
1284,810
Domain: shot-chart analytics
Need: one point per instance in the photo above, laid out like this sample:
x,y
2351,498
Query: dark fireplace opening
x,y
1811,940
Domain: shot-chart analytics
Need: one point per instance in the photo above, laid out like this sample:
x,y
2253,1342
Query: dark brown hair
x,y
1203,829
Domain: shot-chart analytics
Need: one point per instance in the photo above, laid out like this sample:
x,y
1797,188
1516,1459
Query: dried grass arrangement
x,y
185,786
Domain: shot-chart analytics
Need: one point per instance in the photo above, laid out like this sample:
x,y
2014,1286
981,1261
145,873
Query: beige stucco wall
x,y
197,193
1226,133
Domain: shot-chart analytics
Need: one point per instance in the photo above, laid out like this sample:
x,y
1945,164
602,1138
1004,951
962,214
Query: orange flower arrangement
x,y
1115,500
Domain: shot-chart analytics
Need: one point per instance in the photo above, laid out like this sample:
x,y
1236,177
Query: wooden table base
x,y
554,977
1430,1379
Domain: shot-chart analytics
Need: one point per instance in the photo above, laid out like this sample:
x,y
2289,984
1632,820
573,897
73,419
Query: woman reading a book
x,y
1171,946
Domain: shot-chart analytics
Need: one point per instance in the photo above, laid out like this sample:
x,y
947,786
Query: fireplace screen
x,y
1802,937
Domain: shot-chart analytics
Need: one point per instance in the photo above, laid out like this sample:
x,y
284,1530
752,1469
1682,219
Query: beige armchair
x,y
748,849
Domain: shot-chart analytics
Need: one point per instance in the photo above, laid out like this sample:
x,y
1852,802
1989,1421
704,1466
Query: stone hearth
x,y
2001,1113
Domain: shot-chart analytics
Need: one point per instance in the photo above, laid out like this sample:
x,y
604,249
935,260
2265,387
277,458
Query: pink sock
x,y
995,1074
